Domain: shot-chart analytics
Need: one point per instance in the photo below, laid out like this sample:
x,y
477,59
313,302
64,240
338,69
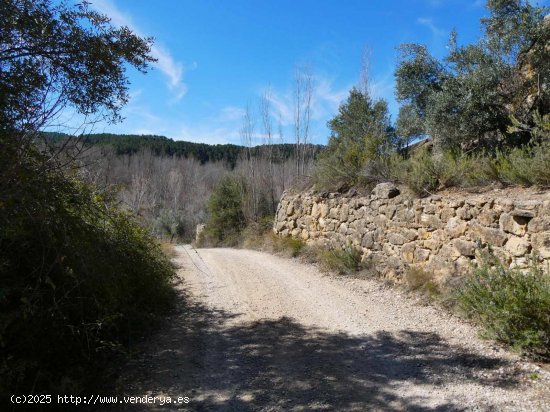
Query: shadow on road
x,y
282,365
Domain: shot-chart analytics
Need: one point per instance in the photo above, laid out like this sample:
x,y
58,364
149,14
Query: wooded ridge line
x,y
128,144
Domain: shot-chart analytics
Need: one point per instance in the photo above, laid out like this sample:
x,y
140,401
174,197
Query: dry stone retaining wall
x,y
442,234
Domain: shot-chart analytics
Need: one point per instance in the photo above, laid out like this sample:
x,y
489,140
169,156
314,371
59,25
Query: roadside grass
x,y
421,281
512,306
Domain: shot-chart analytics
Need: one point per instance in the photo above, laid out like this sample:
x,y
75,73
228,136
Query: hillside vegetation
x,y
485,108
80,280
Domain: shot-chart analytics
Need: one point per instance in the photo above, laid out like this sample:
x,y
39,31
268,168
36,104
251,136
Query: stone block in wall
x,y
323,210
389,211
315,211
447,213
380,221
405,214
279,226
500,253
421,255
407,252
430,209
517,246
455,203
449,252
465,213
539,224
409,234
523,213
437,239
396,239
368,240
541,244
290,209
344,213
429,221
491,236
343,228
424,234
431,244
462,264
384,191
526,204
516,225
440,267
334,213
456,227
464,247
503,205
488,217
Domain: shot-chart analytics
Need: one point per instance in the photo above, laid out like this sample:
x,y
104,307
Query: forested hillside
x,y
163,146
168,183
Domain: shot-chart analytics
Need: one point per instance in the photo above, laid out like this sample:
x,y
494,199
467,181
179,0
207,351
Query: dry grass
x,y
167,248
422,281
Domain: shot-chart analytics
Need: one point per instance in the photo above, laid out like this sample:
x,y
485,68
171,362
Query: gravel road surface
x,y
260,332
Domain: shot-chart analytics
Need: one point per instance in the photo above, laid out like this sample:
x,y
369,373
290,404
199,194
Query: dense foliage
x,y
226,217
512,306
472,98
361,134
229,154
79,279
57,55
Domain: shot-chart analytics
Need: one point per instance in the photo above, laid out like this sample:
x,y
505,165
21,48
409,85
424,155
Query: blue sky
x,y
217,57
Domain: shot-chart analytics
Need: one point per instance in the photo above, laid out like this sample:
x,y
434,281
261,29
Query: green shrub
x,y
283,245
525,166
513,307
79,279
342,261
226,218
425,172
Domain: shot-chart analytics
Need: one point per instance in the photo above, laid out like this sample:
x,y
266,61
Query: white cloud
x,y
436,31
282,104
166,63
231,113
326,99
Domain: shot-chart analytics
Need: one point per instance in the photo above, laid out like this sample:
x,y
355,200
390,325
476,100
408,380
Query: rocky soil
x,y
259,332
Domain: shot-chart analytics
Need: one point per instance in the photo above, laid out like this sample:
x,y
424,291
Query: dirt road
x,y
259,332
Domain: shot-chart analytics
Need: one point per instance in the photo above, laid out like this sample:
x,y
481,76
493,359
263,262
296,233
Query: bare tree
x,y
265,110
303,95
247,137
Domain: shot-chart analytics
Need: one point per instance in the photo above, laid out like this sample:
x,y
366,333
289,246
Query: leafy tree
x,y
418,76
54,56
79,279
361,132
409,127
225,207
468,101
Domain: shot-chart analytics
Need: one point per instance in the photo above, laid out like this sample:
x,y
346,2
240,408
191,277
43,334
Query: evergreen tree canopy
x,y
472,98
